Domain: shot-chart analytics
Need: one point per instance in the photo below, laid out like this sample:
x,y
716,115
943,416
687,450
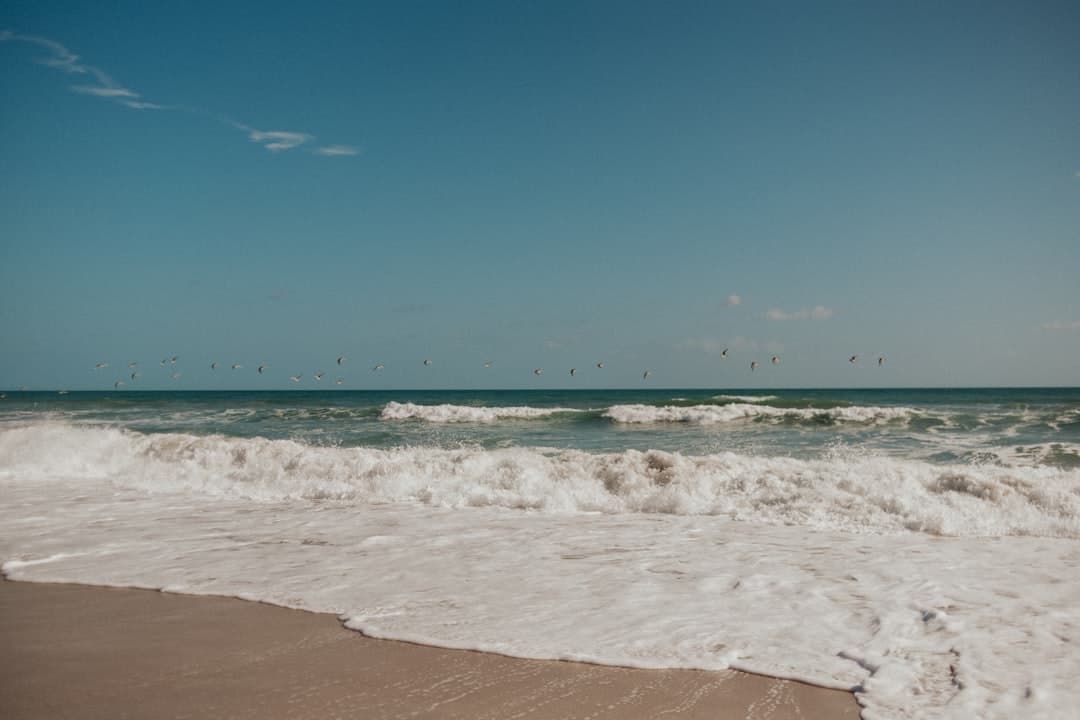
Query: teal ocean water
x,y
918,547
1022,426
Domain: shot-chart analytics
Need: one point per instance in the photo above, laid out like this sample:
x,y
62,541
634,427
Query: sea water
x,y
920,547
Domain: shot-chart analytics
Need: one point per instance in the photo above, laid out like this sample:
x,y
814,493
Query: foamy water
x,y
932,585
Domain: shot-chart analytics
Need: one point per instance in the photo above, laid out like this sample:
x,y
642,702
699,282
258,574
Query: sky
x,y
541,185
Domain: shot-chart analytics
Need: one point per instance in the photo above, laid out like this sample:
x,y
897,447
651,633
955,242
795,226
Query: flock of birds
x,y
170,362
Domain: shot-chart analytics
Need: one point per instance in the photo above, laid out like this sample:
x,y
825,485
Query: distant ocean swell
x,y
851,493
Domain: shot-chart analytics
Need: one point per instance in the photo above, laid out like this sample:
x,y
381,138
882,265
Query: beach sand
x,y
72,651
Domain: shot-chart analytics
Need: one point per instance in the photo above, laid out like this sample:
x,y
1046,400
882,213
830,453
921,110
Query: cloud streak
x,y
818,312
62,59
336,151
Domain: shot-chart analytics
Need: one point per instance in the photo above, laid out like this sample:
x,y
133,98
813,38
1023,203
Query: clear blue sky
x,y
542,185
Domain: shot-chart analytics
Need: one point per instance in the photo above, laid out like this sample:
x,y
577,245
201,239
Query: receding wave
x,y
447,413
711,414
860,494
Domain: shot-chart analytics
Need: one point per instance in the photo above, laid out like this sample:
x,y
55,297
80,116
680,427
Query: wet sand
x,y
73,651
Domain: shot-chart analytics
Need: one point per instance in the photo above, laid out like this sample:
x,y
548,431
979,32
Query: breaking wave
x,y
850,493
447,413
711,414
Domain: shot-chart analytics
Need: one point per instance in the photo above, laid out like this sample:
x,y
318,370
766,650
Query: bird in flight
x,y
489,363
101,365
573,372
538,371
427,362
213,365
723,353
600,365
380,366
852,359
237,366
881,361
645,375
295,378
341,360
775,359
261,368
754,365
319,375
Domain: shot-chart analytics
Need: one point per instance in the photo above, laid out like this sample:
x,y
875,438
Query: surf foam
x,y
848,492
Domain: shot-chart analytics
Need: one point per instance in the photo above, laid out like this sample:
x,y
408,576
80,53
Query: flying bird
x,y
881,361
600,365
295,378
489,363
261,368
341,360
645,375
852,359
116,385
173,359
573,372
538,371
134,375
101,365
754,365
319,375
775,359
723,353
237,366
213,365
380,366
427,362
132,364
176,375
339,381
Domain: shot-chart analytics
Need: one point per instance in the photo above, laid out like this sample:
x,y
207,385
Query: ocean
x,y
919,547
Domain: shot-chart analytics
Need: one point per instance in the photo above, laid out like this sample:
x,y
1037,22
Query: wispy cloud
x,y
60,58
336,150
105,92
818,312
733,300
278,140
1059,325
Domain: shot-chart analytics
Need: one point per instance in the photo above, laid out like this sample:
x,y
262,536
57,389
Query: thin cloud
x,y
60,58
733,300
818,312
336,150
278,140
105,92
1059,326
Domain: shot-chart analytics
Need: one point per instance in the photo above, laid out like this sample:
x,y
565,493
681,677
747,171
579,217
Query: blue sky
x,y
542,185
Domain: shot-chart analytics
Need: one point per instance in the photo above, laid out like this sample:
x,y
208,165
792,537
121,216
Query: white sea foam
x,y
921,627
850,493
447,413
711,414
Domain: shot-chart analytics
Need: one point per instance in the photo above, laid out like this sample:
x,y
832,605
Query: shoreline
x,y
83,651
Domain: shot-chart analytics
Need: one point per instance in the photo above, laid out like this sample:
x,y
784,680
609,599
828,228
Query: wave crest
x,y
447,413
853,494
712,414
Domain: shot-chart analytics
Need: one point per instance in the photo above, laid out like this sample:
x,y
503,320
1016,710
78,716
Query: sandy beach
x,y
73,651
